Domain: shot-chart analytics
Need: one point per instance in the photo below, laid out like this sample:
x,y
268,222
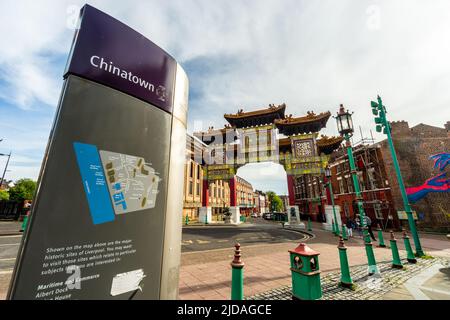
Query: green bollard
x,y
370,255
186,221
237,275
380,237
346,279
309,224
24,224
396,262
338,231
344,232
206,218
333,226
410,254
305,273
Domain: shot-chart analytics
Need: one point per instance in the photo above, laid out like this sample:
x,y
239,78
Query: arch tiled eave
x,y
256,118
300,125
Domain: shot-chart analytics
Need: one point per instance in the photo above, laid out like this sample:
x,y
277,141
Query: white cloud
x,y
313,55
29,82
265,176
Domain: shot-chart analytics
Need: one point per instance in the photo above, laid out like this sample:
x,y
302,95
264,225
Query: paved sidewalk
x,y
207,275
376,287
8,227
431,284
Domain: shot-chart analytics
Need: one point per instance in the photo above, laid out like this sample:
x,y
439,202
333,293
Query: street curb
x,y
11,233
244,224
244,246
311,235
210,225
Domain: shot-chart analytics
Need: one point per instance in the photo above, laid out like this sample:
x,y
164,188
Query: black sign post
x,y
106,218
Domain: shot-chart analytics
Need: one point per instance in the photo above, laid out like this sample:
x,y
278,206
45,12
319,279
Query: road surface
x,y
199,238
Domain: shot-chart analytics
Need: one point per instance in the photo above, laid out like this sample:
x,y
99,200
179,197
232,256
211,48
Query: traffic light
x,y
378,120
374,104
379,111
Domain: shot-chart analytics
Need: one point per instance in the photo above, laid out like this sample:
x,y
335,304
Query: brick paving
x,y
366,287
207,275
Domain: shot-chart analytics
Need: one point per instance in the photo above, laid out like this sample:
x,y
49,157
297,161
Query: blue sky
x,y
311,55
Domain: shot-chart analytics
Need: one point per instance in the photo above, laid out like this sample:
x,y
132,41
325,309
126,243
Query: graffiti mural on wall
x,y
439,183
441,160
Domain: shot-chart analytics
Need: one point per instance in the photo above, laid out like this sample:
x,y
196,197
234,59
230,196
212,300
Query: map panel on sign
x,y
132,183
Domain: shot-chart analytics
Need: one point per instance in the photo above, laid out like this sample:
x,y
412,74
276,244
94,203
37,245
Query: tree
x,y
22,190
276,205
4,195
227,214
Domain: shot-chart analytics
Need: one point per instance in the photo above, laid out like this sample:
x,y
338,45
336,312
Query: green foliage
x,y
4,195
276,204
226,211
22,190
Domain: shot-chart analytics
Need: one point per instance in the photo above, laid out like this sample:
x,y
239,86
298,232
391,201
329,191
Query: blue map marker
x,y
94,183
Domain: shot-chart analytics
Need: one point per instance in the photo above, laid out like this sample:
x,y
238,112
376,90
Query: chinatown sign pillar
x,y
267,135
105,223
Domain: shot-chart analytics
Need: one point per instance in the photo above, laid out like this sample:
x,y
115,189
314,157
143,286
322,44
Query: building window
x,y
361,182
198,172
198,189
350,185
346,166
190,187
191,173
341,186
378,212
346,210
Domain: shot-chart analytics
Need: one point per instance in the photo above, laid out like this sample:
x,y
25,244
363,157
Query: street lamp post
x,y
345,128
383,125
330,188
6,166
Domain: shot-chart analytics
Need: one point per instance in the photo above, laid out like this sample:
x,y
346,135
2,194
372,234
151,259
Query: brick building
x,y
373,182
261,202
193,179
378,181
218,190
244,196
414,146
219,198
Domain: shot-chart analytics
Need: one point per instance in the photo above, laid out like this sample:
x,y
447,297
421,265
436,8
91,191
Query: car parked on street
x,y
267,216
